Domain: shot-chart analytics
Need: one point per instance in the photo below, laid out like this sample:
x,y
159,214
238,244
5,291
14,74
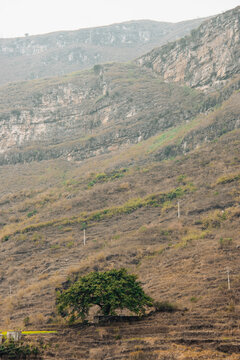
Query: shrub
x,y
141,355
181,179
105,177
26,321
97,69
225,243
228,178
11,350
164,306
32,213
193,299
5,238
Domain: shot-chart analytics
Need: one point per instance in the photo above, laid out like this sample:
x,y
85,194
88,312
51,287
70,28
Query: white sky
x,y
18,17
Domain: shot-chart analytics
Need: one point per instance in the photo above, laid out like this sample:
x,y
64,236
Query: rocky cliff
x,y
62,52
90,113
113,106
209,56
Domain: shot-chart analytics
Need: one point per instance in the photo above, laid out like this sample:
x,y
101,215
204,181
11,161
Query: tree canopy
x,y
110,290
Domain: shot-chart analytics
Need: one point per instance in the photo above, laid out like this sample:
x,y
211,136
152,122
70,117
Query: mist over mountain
x,y
59,53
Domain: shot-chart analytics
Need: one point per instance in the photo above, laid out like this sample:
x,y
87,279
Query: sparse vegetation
x,y
164,306
225,243
32,213
226,179
154,200
12,350
102,178
26,321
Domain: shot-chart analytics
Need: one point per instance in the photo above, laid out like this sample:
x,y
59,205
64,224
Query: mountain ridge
x,y
58,53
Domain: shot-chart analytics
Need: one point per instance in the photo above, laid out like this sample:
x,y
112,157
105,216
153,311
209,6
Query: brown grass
x,y
176,259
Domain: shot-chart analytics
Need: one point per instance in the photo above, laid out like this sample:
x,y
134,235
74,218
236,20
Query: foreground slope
x,y
131,222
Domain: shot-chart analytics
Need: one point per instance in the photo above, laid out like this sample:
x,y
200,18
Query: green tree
x,y
110,290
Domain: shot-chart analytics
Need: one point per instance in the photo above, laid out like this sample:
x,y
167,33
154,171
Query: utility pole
x,y
178,209
228,272
84,237
10,290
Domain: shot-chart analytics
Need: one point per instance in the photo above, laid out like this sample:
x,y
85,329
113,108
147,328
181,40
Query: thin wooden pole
x,y
178,209
84,237
228,275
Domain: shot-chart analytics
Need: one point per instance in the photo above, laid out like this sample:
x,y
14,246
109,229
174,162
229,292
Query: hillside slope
x,y
89,113
59,53
117,151
99,111
206,58
131,218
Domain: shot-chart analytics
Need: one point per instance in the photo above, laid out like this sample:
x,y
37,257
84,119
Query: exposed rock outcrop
x,y
206,58
90,113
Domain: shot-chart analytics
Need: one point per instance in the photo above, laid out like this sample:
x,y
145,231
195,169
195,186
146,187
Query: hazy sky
x,y
18,17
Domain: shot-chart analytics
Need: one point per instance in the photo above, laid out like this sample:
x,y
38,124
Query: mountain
x,y
98,111
208,57
150,168
59,53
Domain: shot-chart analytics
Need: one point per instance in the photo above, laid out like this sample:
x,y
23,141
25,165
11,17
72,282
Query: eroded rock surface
x,y
206,58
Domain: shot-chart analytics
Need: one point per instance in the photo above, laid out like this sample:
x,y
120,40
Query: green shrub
x,y
181,178
164,306
105,177
32,213
5,238
12,350
26,321
225,243
228,178
70,244
193,299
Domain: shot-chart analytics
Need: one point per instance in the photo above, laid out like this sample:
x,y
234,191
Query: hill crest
x,y
58,53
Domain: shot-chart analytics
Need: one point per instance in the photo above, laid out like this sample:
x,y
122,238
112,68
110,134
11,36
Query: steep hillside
x,y
62,52
89,113
206,58
151,170
131,217
95,112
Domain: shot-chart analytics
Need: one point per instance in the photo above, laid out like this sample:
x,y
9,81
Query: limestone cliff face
x,y
208,57
89,113
103,110
111,106
59,53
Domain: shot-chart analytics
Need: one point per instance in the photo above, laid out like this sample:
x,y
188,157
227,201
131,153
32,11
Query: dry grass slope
x,y
178,260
